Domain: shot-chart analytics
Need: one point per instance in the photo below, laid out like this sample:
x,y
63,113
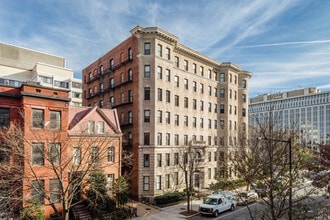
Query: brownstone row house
x,y
168,97
52,144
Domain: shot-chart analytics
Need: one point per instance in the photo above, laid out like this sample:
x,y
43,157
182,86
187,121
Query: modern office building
x,y
305,109
169,98
19,65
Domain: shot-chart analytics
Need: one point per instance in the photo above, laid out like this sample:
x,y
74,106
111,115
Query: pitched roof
x,y
78,113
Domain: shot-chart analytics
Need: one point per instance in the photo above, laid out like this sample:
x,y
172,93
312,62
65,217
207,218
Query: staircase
x,y
80,212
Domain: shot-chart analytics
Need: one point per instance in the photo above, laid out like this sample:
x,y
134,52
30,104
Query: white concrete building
x,y
18,65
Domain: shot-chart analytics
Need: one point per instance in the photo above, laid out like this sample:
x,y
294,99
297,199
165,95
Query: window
x,y
110,179
112,64
159,139
209,75
160,95
222,124
185,120
175,178
159,160
146,93
176,158
194,68
130,54
222,77
176,140
176,61
130,96
38,190
194,86
76,85
159,72
194,122
201,87
130,74
91,127
37,118
201,70
176,120
243,112
76,155
61,84
146,160
55,153
201,122
38,154
176,100
194,104
185,65
167,159
159,116
167,181
209,123
168,117
222,93
243,98
185,139
168,139
209,173
146,48
100,127
4,117
209,89
215,124
159,50
147,71
94,155
46,79
209,107
222,108
112,83
130,117
146,139
146,182
146,115
168,96
168,75
201,103
185,82
176,81
243,83
111,154
101,69
185,102
55,190
158,182
168,53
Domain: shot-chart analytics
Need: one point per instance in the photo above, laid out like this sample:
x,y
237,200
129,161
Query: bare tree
x,y
66,159
192,161
273,160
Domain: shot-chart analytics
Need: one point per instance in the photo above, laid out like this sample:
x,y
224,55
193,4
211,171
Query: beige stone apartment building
x,y
169,98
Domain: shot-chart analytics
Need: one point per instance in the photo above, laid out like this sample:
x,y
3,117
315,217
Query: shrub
x,y
169,197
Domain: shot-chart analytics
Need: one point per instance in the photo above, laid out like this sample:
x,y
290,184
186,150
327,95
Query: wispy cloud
x,y
287,43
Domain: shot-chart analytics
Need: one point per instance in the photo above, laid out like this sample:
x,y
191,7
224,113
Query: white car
x,y
216,203
245,198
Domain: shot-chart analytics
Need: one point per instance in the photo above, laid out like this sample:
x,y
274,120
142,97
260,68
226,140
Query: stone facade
x,y
168,98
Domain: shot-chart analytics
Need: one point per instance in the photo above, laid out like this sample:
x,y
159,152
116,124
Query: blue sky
x,y
284,43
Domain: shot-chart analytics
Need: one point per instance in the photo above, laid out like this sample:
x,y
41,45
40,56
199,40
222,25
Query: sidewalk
x,y
172,212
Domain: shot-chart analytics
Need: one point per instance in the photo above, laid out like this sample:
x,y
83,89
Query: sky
x,y
284,43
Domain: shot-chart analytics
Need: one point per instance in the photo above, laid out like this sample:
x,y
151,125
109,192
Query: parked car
x,y
245,197
217,203
259,189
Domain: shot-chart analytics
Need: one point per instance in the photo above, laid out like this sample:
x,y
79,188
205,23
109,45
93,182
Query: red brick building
x,y
51,131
